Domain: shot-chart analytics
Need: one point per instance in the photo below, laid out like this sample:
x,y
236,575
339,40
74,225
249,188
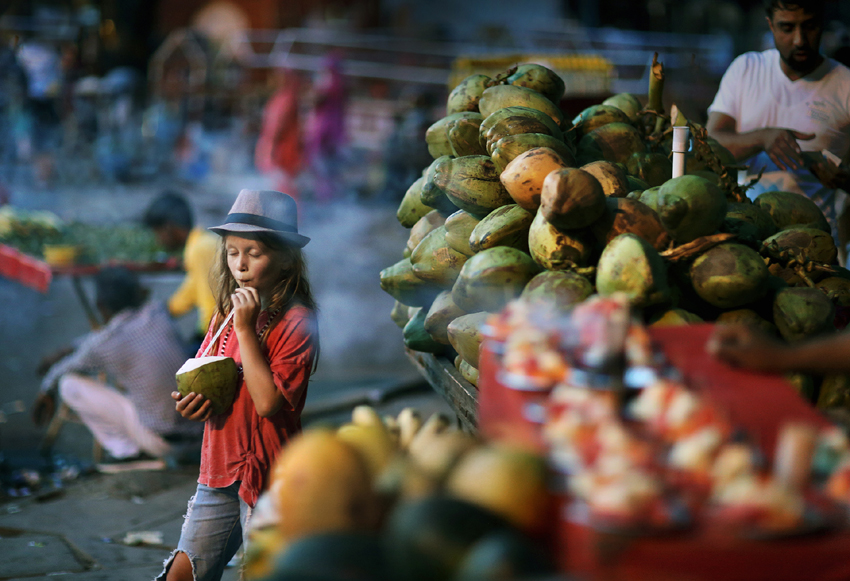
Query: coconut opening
x,y
195,362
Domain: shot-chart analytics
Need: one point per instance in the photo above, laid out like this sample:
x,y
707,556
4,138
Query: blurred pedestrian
x,y
262,282
41,63
171,218
139,350
325,135
279,146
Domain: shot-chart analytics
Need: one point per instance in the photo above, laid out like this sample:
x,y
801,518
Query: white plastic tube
x,y
681,135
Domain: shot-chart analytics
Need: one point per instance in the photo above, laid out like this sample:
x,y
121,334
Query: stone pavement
x,y
82,531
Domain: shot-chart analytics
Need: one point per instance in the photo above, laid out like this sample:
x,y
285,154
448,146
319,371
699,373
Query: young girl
x,y
273,338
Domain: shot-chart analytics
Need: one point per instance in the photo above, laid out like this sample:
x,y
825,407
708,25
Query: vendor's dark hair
x,y
815,7
169,207
118,288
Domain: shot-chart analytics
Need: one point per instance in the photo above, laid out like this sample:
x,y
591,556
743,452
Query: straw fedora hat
x,y
263,211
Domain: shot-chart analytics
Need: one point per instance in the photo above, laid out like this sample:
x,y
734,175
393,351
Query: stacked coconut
x,y
520,201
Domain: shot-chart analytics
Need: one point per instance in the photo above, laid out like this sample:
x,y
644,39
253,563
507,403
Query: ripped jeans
x,y
215,526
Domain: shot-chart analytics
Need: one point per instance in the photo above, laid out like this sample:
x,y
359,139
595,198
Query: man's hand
x,y
831,175
192,407
744,346
43,408
782,148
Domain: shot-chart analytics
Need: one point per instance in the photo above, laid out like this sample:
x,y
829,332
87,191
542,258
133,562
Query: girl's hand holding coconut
x,y
193,407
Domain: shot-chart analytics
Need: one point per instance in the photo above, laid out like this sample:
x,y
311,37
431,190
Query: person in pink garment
x,y
324,132
273,338
279,147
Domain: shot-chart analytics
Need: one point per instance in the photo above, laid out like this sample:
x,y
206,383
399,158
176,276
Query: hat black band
x,y
261,221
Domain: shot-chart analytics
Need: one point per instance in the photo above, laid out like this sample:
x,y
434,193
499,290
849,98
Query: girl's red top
x,y
239,444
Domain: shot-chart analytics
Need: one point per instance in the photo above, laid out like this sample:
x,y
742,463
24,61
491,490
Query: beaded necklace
x,y
272,315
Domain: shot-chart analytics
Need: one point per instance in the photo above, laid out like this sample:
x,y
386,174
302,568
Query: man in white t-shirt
x,y
779,109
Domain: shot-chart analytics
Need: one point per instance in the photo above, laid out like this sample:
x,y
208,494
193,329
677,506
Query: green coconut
x,y
837,288
435,261
561,289
417,338
465,96
801,312
597,116
492,278
611,176
554,249
612,142
214,377
636,184
442,312
459,227
400,314
627,103
505,226
422,228
791,209
628,216
411,208
629,264
400,282
465,336
539,78
467,371
834,392
747,317
571,199
652,168
674,318
695,163
729,275
740,213
806,243
690,207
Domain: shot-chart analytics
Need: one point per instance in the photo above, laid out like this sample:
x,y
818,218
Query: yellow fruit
x,y
322,484
509,481
261,552
372,442
435,454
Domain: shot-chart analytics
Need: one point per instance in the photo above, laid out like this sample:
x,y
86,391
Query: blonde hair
x,y
292,287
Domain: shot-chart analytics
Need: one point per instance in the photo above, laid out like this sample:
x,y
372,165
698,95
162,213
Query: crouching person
x,y
119,377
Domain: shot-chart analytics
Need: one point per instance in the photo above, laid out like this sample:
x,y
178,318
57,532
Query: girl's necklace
x,y
272,315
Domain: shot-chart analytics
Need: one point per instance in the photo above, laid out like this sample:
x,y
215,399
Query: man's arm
x,y
780,144
746,347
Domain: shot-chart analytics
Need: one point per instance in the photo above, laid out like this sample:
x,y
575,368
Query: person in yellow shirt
x,y
171,219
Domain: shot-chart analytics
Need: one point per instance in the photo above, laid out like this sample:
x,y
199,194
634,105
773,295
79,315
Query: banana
x,y
505,226
458,228
365,415
435,454
409,422
472,183
499,96
465,96
463,136
541,79
509,147
411,207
